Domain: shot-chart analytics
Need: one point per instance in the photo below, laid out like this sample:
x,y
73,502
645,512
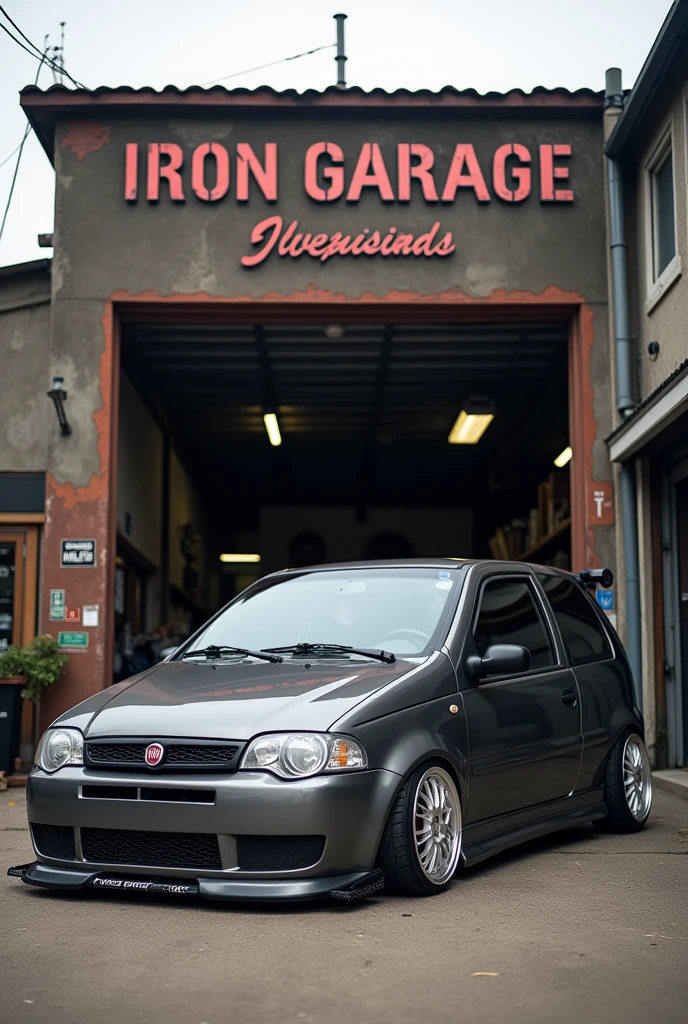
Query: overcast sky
x,y
489,45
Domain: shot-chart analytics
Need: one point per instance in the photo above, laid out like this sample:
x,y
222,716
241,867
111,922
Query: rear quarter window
x,y
581,630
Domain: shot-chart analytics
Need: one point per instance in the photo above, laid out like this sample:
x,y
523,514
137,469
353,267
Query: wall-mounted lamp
x,y
334,331
59,396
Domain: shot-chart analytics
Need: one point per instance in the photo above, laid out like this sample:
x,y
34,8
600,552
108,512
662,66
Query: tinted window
x,y
581,630
508,614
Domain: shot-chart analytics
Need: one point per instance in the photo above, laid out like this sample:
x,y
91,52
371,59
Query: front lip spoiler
x,y
354,886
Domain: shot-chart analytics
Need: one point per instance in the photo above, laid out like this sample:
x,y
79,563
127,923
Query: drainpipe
x,y
613,97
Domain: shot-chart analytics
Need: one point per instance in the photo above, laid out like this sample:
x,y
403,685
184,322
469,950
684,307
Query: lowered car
x,y
341,728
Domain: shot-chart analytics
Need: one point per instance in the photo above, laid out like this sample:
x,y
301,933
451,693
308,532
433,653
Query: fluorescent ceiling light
x,y
272,427
240,558
334,331
563,459
469,427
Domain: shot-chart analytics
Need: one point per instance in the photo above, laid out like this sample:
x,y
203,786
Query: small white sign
x,y
90,615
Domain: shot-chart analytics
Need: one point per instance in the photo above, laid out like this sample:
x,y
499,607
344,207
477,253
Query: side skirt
x,y
485,838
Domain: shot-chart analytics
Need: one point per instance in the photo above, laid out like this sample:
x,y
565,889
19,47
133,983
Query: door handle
x,y
569,696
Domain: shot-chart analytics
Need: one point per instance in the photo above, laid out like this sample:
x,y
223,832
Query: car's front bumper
x,y
349,811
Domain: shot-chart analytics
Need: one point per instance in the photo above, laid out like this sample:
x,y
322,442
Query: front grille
x,y
54,841
150,849
279,853
177,756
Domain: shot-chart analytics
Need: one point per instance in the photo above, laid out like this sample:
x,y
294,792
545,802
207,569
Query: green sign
x,y
79,641
57,605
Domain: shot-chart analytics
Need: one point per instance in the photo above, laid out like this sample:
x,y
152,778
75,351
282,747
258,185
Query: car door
x,y
524,730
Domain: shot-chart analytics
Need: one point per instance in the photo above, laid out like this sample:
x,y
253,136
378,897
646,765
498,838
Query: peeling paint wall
x,y
107,249
25,411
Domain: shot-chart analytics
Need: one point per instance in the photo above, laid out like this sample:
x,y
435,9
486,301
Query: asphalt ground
x,y
579,927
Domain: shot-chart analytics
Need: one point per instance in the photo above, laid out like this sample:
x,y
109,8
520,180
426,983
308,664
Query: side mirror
x,y
498,660
167,652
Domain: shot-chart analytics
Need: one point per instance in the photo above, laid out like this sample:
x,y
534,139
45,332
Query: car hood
x,y
237,701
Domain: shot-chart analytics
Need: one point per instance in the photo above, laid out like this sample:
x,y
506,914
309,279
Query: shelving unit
x,y
543,536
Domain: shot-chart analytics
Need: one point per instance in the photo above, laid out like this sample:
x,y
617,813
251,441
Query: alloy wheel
x,y
437,825
637,777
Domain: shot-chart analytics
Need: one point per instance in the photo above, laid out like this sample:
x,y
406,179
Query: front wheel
x,y
422,839
627,786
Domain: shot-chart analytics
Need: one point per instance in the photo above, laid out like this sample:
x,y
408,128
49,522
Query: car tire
x,y
421,843
627,783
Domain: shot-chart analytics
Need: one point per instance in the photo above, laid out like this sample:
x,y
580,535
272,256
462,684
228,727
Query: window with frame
x,y
581,630
509,614
662,210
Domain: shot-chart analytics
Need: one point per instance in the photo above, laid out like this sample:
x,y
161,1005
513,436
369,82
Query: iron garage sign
x,y
208,175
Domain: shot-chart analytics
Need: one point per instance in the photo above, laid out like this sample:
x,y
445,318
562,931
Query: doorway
x,y
18,593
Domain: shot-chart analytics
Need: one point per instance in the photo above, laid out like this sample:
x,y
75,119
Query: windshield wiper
x,y
385,656
214,650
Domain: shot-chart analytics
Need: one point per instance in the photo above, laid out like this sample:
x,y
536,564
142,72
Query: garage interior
x,y
364,468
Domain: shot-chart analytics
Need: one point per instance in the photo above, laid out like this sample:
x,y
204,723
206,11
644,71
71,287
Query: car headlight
x,y
297,755
60,747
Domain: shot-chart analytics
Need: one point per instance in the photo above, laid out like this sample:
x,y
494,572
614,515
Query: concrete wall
x,y
25,411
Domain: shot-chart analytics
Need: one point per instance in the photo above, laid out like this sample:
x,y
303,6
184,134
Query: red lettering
x,y
221,158
335,175
259,232
387,242
316,247
131,171
363,177
372,244
299,239
345,246
403,245
265,174
286,238
423,244
472,177
359,240
421,171
519,172
333,248
445,246
170,171
549,174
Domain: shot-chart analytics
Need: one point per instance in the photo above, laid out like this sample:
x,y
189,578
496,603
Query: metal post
x,y
340,58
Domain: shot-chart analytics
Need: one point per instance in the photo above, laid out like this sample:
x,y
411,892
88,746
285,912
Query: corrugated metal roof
x,y
355,94
44,106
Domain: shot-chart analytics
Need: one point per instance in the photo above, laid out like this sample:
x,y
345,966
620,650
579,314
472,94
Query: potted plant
x,y
36,667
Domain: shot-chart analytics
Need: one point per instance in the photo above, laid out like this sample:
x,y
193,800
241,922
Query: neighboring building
x,y
648,148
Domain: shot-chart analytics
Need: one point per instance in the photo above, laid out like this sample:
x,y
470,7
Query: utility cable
x,y
260,67
20,147
38,53
10,155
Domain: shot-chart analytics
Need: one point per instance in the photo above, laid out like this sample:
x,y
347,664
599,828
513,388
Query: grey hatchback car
x,y
341,728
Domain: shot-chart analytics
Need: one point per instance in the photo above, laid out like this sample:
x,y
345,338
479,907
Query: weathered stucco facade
x,y
516,180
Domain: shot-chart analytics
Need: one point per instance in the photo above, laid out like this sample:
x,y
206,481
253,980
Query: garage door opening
x,y
364,468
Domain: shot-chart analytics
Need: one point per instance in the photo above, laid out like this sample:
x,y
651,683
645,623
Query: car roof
x,y
421,563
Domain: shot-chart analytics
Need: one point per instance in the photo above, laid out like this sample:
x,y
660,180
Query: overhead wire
x,y
20,147
38,53
260,67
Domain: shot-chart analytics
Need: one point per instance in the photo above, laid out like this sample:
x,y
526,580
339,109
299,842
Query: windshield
x,y
403,611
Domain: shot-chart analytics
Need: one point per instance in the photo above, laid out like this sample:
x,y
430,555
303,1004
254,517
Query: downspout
x,y
624,390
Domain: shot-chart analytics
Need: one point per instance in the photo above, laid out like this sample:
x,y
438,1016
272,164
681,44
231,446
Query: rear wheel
x,y
422,839
627,786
